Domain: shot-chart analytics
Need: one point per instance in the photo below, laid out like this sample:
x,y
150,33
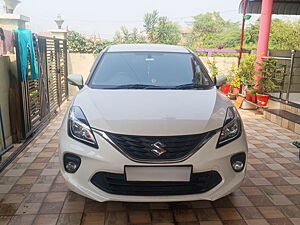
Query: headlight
x,y
79,128
232,127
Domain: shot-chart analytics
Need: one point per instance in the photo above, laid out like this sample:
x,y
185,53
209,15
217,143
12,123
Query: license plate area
x,y
158,173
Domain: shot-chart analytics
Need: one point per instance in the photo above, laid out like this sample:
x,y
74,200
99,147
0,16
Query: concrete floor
x,y
33,192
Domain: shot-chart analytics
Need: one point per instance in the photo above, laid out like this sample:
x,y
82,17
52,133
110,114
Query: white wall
x,y
79,63
224,64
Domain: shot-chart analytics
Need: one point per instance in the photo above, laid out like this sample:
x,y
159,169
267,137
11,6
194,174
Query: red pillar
x,y
264,31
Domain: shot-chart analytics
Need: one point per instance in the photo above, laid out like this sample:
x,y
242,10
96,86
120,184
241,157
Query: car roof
x,y
147,48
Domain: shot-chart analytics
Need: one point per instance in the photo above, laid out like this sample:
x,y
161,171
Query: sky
x,y
104,18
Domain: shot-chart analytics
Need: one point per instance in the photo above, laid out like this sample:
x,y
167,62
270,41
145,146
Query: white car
x,y
149,125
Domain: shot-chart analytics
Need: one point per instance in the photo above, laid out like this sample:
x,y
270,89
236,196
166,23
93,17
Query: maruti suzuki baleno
x,y
149,125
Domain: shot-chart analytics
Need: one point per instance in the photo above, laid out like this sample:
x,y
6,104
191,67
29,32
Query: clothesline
x,y
26,48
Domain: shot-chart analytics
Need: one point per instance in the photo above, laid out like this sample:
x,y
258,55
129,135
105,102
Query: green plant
x,y
246,70
236,82
252,91
231,73
271,76
213,68
78,43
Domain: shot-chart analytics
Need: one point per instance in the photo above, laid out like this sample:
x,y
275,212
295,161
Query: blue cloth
x,y
25,43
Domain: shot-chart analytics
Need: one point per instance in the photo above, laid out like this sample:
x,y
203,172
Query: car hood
x,y
153,112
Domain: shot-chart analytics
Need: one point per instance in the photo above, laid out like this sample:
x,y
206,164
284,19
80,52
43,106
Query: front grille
x,y
116,184
177,147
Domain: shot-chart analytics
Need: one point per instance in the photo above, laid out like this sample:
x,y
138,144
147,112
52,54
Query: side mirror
x,y
76,80
220,80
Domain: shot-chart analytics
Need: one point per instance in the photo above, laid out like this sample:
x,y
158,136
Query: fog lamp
x,y
238,166
71,162
238,161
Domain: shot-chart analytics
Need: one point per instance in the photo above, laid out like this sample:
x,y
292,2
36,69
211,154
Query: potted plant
x,y
252,95
246,72
271,78
235,83
225,88
248,95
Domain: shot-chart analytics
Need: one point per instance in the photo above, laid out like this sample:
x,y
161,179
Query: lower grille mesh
x,y
116,184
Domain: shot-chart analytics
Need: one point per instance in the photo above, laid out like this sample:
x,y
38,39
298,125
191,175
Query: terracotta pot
x,y
253,98
225,88
235,91
262,100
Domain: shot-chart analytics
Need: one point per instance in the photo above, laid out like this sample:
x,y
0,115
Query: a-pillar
x,y
264,31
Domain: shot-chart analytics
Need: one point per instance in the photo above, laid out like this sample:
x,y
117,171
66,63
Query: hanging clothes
x,y
1,41
25,44
6,42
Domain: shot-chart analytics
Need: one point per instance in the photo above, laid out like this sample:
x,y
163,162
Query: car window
x,y
149,68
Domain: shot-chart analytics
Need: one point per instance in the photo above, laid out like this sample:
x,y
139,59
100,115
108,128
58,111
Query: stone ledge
x,y
285,114
14,17
284,119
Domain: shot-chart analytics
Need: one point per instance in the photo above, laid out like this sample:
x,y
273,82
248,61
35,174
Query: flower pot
x,y
235,91
262,100
248,96
253,98
225,88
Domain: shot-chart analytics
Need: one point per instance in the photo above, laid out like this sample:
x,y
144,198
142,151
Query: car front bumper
x,y
108,159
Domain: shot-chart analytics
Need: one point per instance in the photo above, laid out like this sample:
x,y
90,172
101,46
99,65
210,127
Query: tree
x,y
150,22
161,29
125,37
208,23
210,30
251,35
284,35
167,32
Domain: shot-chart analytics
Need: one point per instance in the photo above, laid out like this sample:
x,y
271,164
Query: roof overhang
x,y
280,7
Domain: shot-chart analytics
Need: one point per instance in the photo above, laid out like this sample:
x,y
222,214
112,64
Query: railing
x,y
289,92
210,51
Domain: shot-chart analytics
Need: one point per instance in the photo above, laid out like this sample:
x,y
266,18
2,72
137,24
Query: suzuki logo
x,y
158,148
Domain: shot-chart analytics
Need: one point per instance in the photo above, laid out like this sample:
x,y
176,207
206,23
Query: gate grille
x,y
41,97
52,74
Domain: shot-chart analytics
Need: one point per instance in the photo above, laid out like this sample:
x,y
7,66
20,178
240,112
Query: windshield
x,y
149,70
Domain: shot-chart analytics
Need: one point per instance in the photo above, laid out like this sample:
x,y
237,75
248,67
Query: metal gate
x,y
41,97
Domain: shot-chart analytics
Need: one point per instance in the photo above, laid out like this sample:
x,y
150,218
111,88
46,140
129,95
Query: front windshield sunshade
x,y
149,70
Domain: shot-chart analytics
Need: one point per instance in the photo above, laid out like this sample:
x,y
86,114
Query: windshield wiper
x,y
191,86
137,86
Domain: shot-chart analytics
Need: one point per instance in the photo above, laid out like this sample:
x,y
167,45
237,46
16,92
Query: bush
x,y
77,43
272,76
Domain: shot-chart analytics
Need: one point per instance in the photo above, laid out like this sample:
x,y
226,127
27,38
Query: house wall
x,y
79,63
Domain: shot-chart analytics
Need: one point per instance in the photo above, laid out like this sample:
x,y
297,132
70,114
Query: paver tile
x,y
32,190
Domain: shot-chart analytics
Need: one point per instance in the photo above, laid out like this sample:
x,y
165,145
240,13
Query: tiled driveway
x,y
33,192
